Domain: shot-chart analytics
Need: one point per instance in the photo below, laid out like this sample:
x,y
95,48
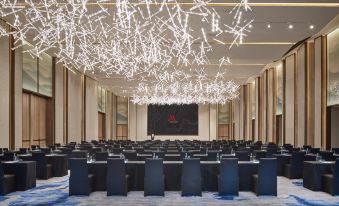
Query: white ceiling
x,y
263,45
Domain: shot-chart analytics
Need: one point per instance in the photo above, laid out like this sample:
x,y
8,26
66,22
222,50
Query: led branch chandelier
x,y
137,40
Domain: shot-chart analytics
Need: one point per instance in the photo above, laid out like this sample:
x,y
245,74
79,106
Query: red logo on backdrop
x,y
172,119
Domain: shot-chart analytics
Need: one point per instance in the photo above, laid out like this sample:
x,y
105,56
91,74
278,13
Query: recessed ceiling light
x,y
250,26
269,26
312,26
290,26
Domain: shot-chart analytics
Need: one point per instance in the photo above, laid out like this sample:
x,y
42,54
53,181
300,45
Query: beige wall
x,y
289,114
207,124
301,97
132,121
236,118
317,93
91,112
270,97
4,91
18,98
59,103
264,109
74,107
256,129
108,122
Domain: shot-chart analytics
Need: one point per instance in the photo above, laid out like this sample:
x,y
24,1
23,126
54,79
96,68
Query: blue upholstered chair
x,y
191,177
265,182
117,179
43,170
228,179
331,181
154,181
80,182
294,170
7,182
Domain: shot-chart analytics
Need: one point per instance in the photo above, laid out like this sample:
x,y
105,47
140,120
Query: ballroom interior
x,y
148,102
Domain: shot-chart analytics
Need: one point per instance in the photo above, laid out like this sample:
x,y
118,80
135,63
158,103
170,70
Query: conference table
x,y
313,172
172,171
24,171
59,163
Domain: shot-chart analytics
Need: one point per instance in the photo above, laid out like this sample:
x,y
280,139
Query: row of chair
x,y
81,182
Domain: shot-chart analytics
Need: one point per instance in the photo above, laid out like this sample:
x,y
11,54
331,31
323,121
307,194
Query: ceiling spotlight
x,y
250,26
312,26
290,26
269,26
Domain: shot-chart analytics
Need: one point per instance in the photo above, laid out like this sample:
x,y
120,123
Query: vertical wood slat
x,y
324,136
310,93
65,107
284,103
11,92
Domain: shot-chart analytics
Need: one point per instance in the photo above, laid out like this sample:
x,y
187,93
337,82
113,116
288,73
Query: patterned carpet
x,y
55,192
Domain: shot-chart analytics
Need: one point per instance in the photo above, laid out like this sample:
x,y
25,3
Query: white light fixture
x,y
133,40
311,26
268,25
290,26
250,26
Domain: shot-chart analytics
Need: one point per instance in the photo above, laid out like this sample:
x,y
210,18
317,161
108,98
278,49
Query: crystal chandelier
x,y
135,39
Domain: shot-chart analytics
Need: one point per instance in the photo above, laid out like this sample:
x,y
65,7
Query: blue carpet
x,y
305,202
55,192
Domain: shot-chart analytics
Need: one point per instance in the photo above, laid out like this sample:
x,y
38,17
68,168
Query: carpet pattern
x,y
55,192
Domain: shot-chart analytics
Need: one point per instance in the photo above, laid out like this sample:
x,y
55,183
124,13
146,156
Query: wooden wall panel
x,y
37,127
25,120
270,105
122,131
101,126
223,131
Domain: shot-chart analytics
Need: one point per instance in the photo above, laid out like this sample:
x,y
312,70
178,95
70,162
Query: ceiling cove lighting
x,y
134,40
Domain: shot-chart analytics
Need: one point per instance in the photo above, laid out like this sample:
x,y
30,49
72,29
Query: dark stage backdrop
x,y
172,119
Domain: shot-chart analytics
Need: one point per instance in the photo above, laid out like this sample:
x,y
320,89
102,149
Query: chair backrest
x,y
78,176
79,154
40,158
130,155
154,167
101,156
116,167
229,167
23,150
270,151
314,150
242,155
259,154
267,168
8,156
45,150
212,155
336,170
335,150
297,158
191,167
2,172
326,155
227,150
